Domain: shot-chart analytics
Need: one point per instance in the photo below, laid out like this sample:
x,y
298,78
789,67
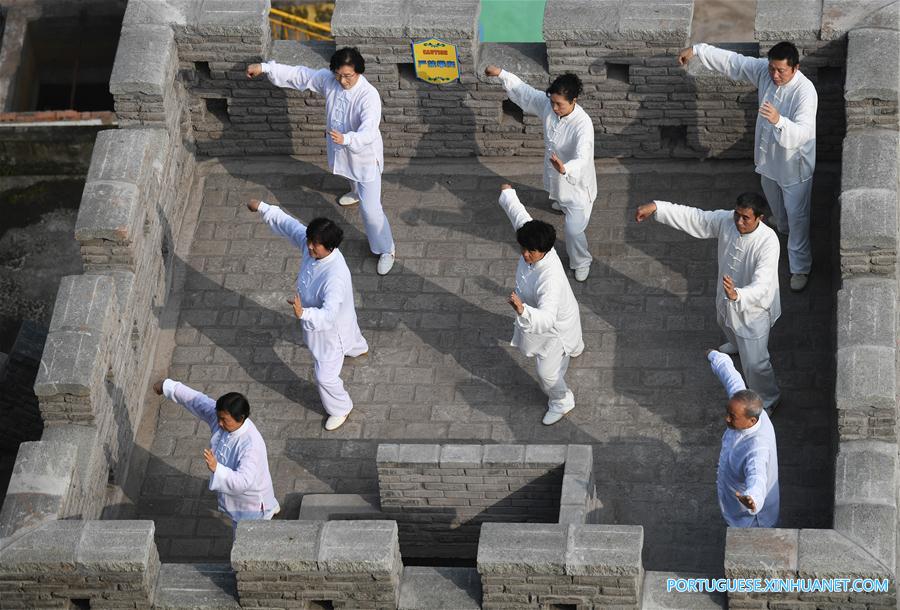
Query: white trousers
x,y
551,371
334,396
791,210
576,241
378,230
758,372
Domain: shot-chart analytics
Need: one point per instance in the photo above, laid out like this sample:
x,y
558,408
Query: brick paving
x,y
440,368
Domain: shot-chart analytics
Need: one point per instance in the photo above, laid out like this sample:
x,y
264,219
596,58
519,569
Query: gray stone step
x,y
425,588
196,586
655,596
339,507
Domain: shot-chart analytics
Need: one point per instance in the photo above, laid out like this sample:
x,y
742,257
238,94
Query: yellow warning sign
x,y
435,61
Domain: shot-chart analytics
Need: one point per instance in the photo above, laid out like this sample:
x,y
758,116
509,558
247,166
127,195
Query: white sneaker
x,y
798,281
728,348
582,274
334,422
385,262
349,199
551,417
555,205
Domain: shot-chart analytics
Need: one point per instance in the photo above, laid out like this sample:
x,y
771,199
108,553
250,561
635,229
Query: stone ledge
x,y
360,19
145,61
866,312
87,547
873,62
866,377
84,303
528,61
868,219
548,549
614,20
841,16
70,364
42,479
159,12
789,553
313,54
346,547
869,160
777,20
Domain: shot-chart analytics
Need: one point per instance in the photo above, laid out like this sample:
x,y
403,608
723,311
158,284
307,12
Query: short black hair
x,y
235,404
785,50
348,56
567,85
752,201
324,231
536,235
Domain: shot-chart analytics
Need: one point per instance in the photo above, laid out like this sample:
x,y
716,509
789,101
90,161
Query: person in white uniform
x,y
785,140
748,300
236,457
747,475
548,321
570,176
354,144
323,304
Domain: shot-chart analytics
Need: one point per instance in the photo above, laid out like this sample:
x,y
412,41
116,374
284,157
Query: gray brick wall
x,y
108,564
540,566
440,495
285,564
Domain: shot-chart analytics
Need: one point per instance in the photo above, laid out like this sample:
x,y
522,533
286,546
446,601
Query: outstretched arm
x,y
723,367
297,77
526,97
202,406
733,65
280,222
514,209
693,221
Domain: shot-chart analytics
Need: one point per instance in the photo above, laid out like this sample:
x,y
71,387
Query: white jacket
x,y
570,137
242,477
784,152
330,329
551,312
751,260
354,112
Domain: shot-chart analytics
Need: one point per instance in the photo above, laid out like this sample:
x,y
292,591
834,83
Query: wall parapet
x,y
802,554
284,564
440,495
103,564
530,565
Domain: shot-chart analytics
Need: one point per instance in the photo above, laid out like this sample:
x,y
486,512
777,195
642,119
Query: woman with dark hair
x,y
323,303
569,173
355,148
548,322
236,456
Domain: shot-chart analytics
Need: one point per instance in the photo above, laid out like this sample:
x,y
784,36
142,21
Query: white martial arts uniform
x,y
785,153
330,329
242,477
356,113
748,461
752,262
549,328
572,139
